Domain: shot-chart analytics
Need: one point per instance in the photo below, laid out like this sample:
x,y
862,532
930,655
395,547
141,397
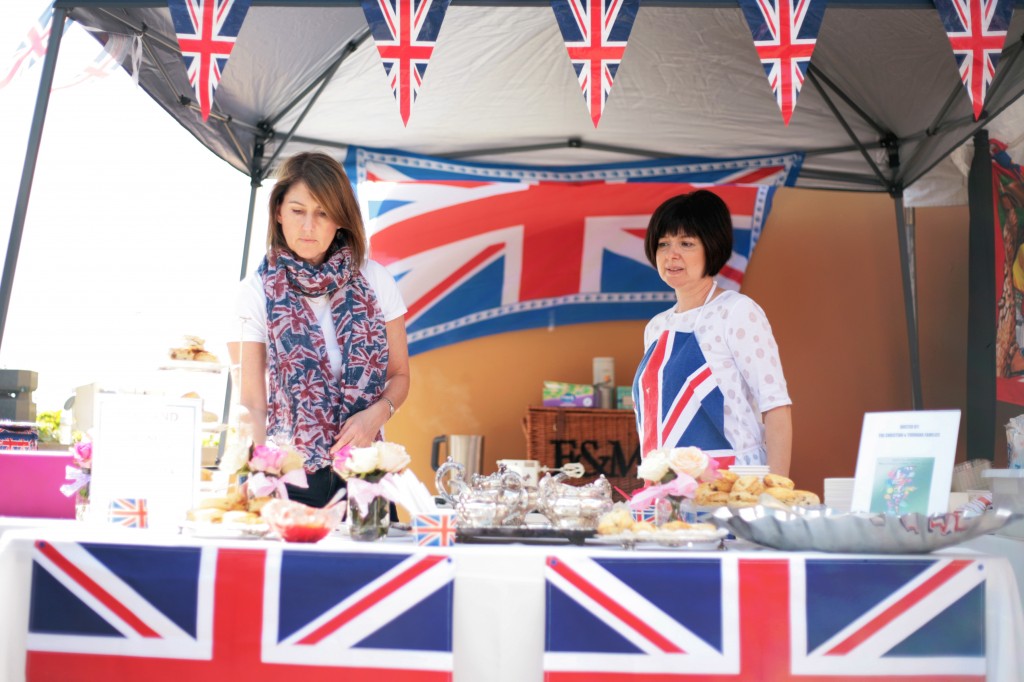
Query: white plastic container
x,y
1008,493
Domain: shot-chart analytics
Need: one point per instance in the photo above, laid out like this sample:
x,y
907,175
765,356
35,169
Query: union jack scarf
x,y
306,406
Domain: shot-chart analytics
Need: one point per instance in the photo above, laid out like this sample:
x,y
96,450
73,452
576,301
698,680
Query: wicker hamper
x,y
605,441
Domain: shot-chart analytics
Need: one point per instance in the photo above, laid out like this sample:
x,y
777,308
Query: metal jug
x,y
467,450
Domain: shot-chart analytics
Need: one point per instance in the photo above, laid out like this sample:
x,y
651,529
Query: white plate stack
x,y
750,470
839,493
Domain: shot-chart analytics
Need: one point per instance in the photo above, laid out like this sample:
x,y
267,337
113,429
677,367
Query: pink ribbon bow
x,y
361,492
261,485
680,486
79,479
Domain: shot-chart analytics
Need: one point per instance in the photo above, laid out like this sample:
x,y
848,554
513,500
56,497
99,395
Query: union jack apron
x,y
677,401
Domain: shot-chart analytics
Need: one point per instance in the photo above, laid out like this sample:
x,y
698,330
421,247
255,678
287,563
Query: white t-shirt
x,y
251,309
738,345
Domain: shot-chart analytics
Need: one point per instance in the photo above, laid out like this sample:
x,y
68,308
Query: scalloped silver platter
x,y
826,530
696,540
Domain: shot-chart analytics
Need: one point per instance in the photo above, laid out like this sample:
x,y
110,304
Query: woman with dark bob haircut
x,y
711,375
323,352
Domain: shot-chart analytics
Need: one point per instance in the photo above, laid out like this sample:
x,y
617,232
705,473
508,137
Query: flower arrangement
x,y
271,467
673,473
371,476
79,474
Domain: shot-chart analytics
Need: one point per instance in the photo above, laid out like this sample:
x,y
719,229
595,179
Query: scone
x,y
725,481
240,517
742,499
707,496
206,515
777,481
751,485
675,525
805,498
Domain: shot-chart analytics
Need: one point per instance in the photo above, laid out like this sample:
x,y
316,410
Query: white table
x,y
499,603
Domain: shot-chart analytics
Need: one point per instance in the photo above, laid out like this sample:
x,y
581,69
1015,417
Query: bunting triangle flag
x,y
207,30
785,32
33,48
977,31
405,32
595,34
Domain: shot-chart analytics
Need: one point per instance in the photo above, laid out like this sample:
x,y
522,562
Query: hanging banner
x,y
481,249
405,32
595,34
977,30
1008,205
785,33
207,30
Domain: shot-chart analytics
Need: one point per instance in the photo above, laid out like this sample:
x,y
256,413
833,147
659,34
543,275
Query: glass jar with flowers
x,y
671,476
368,473
78,475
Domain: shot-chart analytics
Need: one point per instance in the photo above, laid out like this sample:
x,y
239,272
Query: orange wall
x,y
826,272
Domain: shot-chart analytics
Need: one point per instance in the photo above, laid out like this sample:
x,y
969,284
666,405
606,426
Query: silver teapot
x,y
500,499
573,507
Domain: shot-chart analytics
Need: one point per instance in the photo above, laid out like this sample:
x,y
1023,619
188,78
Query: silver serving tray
x,y
826,530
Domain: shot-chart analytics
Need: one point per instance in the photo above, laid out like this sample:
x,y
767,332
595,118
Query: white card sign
x,y
905,462
146,447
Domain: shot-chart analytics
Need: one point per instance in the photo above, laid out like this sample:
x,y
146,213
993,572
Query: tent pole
x,y
908,271
28,172
980,427
254,185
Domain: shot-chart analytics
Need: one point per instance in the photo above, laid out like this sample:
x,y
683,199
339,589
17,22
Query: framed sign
x,y
146,448
905,462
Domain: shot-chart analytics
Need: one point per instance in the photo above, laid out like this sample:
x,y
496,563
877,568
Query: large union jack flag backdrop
x,y
977,31
122,612
785,32
778,619
405,32
595,34
482,249
207,30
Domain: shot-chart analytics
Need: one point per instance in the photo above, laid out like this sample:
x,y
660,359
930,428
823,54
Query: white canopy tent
x,y
882,106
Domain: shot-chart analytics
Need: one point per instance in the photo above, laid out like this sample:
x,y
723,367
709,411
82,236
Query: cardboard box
x,y
560,394
624,397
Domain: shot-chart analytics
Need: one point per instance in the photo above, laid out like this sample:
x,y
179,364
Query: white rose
x,y
393,456
654,466
362,461
235,457
690,461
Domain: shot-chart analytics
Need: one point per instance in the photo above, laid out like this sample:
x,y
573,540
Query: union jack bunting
x,y
129,512
595,34
207,30
33,48
405,32
779,619
482,249
977,31
434,530
785,32
164,614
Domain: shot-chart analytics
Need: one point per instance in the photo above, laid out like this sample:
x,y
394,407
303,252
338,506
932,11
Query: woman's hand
x,y
362,428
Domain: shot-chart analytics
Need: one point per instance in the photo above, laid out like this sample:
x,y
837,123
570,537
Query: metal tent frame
x,y
271,135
